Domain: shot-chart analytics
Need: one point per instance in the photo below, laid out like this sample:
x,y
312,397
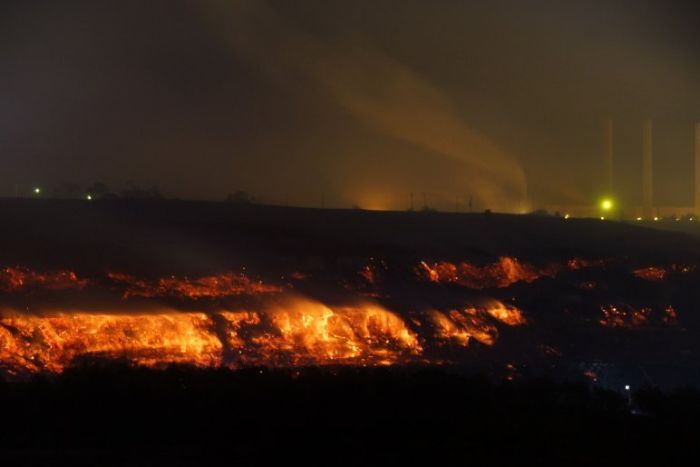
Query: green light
x,y
606,204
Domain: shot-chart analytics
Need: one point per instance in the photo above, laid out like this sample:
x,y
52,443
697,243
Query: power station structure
x,y
648,210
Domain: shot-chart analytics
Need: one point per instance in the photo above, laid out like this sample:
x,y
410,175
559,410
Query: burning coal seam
x,y
503,273
284,330
295,332
19,279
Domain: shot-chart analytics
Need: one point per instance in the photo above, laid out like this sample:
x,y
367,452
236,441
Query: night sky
x,y
364,101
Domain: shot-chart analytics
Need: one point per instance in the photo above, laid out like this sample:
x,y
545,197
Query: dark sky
x,y
364,101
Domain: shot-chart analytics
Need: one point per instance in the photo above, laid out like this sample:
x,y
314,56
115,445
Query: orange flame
x,y
503,273
651,273
658,273
222,285
296,331
18,279
500,274
460,327
304,332
38,343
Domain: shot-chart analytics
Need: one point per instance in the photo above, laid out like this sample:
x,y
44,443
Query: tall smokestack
x,y
608,138
697,169
647,178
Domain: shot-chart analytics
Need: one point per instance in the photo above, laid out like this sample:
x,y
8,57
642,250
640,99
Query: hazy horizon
x,y
357,103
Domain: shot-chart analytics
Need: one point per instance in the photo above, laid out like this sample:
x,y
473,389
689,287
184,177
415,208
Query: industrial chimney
x,y
647,179
697,169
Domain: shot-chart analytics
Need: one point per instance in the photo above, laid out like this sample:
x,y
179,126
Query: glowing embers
x,y
51,343
305,332
574,264
658,274
460,326
650,273
18,279
503,273
500,274
293,331
625,316
296,331
506,314
219,286
373,272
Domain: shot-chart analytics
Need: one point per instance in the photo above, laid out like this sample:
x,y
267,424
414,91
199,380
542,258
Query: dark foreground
x,y
116,415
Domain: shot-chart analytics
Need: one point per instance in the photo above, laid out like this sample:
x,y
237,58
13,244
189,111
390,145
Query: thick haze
x,y
363,101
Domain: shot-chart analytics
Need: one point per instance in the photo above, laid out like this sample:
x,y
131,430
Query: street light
x,y
606,204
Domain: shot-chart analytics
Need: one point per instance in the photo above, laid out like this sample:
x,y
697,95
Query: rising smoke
x,y
372,87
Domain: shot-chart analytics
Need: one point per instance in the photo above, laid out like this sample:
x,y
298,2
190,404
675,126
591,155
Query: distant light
x,y
627,387
607,204
602,218
639,219
678,219
656,218
89,197
37,191
566,216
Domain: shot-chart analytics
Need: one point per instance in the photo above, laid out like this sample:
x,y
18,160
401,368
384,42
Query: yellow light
x,y
639,218
566,216
89,197
656,218
606,204
37,190
602,218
